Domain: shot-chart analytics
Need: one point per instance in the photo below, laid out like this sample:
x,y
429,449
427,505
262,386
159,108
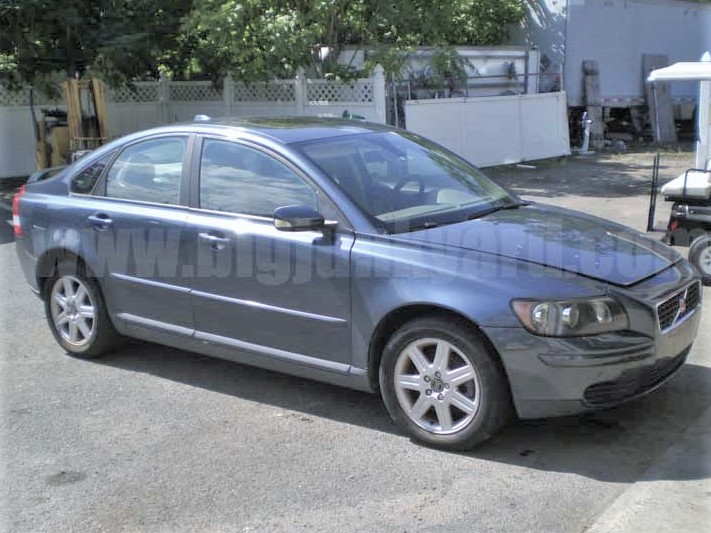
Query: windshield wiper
x,y
428,224
495,208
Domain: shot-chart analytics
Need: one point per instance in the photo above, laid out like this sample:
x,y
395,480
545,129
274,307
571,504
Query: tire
x,y
700,257
452,403
76,312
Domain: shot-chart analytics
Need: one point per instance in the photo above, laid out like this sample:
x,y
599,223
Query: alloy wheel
x,y
705,260
73,310
437,386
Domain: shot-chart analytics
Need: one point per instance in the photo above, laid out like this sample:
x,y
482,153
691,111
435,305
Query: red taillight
x,y
16,224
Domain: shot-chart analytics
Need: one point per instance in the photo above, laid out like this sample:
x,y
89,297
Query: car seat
x,y
344,172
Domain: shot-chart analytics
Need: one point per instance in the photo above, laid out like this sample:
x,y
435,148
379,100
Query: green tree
x,y
254,39
121,39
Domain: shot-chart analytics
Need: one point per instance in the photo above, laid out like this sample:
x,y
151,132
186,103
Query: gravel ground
x,y
615,186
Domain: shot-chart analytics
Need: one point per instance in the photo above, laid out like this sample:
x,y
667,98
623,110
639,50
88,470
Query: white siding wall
x,y
17,142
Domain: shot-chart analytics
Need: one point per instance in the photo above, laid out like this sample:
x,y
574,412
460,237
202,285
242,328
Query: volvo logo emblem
x,y
681,311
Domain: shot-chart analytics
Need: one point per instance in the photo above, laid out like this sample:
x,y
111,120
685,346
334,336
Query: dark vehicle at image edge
x,y
358,255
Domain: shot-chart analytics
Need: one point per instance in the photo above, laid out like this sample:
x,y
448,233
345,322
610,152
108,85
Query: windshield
x,y
404,182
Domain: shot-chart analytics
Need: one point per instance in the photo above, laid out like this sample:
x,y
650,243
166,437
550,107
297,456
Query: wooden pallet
x,y
593,103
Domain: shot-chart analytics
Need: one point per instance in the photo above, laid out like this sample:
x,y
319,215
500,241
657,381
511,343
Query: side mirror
x,y
298,218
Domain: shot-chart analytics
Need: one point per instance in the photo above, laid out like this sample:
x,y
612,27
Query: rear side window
x,y
84,182
239,179
148,171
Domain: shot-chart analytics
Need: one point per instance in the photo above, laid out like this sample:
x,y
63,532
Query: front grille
x,y
672,311
633,382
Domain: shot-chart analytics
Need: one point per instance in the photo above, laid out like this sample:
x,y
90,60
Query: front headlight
x,y
571,318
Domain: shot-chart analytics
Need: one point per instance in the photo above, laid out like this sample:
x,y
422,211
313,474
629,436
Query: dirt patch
x,y
597,175
613,186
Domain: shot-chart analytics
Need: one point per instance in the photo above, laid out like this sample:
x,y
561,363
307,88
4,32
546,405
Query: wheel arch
x,y
398,317
47,265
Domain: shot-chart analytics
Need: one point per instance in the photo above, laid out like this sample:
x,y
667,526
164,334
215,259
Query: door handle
x,y
100,221
215,241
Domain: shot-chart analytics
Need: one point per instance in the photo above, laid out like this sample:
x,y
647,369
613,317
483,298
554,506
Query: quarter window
x,y
84,182
149,171
239,179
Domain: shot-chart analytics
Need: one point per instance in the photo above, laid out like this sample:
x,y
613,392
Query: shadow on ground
x,y
600,177
615,445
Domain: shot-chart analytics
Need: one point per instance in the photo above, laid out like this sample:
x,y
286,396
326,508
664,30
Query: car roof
x,y
285,130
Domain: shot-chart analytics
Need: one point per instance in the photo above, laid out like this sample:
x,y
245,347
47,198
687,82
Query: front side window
x,y
148,171
84,182
238,179
404,182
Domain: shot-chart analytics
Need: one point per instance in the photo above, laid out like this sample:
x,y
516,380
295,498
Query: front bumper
x,y
564,376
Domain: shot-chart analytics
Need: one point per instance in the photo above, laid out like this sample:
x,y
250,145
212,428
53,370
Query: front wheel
x,y
700,256
76,312
442,385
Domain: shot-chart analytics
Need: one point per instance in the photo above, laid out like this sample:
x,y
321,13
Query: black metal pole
x,y
393,86
653,194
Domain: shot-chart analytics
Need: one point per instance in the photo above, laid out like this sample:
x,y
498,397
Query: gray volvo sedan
x,y
359,255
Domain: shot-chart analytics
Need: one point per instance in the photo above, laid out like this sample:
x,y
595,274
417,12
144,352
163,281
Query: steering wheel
x,y
395,191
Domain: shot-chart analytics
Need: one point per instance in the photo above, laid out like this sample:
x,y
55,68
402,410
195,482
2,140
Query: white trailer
x,y
616,34
490,70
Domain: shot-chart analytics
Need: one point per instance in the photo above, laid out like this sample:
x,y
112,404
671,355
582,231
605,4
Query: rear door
x,y
282,294
137,219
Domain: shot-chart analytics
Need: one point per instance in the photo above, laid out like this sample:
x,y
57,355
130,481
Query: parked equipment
x,y
690,219
64,136
52,137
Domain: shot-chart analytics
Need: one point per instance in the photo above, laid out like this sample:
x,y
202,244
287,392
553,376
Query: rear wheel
x,y
700,256
76,312
442,385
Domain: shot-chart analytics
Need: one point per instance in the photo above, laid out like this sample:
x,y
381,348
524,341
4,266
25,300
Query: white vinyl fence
x,y
495,130
150,104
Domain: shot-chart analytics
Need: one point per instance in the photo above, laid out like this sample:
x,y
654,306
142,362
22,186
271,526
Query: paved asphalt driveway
x,y
155,439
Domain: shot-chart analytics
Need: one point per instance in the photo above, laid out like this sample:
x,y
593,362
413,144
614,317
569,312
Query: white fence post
x,y
228,93
164,98
379,93
300,91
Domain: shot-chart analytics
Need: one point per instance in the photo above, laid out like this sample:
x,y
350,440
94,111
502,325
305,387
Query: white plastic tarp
x,y
699,71
685,71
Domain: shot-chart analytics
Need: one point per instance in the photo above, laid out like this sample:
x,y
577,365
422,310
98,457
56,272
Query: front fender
x,y
388,274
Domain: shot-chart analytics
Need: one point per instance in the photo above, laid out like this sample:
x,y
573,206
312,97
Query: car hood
x,y
559,238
